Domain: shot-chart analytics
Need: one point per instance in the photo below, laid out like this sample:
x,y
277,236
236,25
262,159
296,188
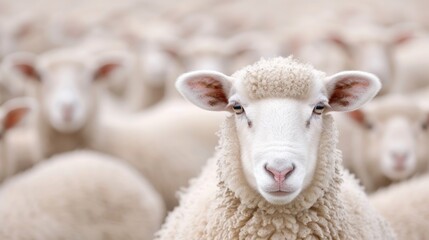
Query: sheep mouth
x,y
399,168
280,193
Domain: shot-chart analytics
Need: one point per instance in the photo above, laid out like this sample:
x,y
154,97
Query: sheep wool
x,y
266,78
220,204
79,195
405,206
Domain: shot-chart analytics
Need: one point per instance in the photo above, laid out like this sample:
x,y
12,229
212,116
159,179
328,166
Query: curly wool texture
x,y
278,78
221,205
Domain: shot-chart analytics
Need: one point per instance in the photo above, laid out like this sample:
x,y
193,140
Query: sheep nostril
x,y
400,158
279,176
68,110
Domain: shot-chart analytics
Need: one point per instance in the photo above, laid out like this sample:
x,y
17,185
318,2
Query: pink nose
x,y
68,110
400,158
279,176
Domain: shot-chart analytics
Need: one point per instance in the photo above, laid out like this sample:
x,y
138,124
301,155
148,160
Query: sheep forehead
x,y
394,107
279,78
57,58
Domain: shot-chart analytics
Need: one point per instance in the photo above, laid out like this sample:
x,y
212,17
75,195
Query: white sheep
x,y
385,142
79,195
277,173
405,206
168,143
18,142
64,83
411,65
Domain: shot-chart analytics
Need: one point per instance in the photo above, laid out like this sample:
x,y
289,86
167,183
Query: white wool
x,y
79,195
168,144
405,207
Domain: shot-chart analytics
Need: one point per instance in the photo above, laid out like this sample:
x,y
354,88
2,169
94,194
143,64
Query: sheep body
x,y
73,196
404,205
149,141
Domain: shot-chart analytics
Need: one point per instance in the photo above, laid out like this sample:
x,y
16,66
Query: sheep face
x,y
279,134
66,96
65,82
395,131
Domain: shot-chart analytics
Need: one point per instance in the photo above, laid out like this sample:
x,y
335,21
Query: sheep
x,y
167,150
22,32
79,195
62,81
276,173
411,65
404,205
371,48
18,148
385,142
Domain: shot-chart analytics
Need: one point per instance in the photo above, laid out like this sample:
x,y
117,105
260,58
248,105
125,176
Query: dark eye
x,y
238,109
369,126
319,108
425,126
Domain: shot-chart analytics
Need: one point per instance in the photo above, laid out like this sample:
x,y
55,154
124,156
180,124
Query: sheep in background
x,y
386,141
372,47
168,143
67,96
412,65
18,147
19,142
277,173
404,205
23,32
79,195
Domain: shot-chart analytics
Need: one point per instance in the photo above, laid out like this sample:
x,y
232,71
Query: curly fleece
x,y
278,78
221,205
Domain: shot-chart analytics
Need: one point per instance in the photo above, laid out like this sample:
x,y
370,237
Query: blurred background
x,y
99,75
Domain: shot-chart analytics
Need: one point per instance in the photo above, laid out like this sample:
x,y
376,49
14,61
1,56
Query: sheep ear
x,y
14,112
24,64
358,116
206,89
110,64
349,90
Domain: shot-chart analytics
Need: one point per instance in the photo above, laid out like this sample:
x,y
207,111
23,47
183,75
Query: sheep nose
x,y
68,110
399,158
279,175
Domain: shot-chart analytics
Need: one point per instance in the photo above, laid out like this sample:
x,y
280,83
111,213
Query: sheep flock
x,y
239,119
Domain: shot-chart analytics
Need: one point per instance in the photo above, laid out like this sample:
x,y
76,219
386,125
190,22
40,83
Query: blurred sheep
x,y
386,141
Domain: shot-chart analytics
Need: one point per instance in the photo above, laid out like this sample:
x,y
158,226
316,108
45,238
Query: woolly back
x,y
278,78
326,178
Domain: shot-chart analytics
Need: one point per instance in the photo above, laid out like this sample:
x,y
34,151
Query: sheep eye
x,y
319,108
425,126
238,109
369,126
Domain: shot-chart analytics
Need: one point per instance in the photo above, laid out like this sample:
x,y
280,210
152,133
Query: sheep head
x,y
279,108
395,131
65,80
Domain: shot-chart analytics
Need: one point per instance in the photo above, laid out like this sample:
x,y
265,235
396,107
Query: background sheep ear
x,y
14,112
24,64
358,116
206,89
110,64
349,90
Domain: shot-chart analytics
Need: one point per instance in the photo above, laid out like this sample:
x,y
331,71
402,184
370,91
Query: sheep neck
x,y
245,208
